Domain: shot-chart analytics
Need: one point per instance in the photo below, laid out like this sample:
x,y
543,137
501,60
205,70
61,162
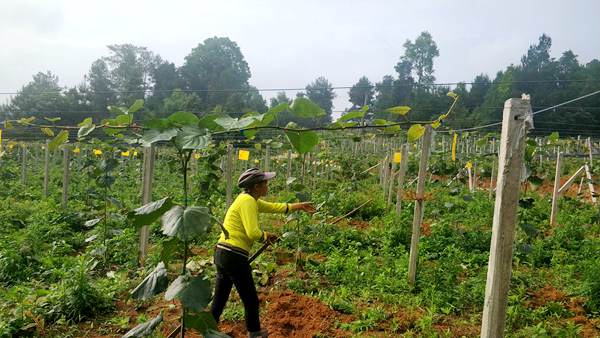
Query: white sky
x,y
290,43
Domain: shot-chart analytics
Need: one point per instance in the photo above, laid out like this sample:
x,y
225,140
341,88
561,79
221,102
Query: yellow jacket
x,y
241,221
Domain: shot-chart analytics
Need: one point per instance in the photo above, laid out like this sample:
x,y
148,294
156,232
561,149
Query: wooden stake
x,y
588,174
517,119
419,207
401,176
555,192
492,177
147,178
391,180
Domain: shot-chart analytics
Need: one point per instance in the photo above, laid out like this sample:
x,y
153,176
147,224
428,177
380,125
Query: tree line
x,y
215,78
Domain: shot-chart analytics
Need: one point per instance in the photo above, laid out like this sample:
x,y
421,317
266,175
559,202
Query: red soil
x,y
291,315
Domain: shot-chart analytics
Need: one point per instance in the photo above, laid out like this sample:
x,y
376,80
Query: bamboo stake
x,y
419,206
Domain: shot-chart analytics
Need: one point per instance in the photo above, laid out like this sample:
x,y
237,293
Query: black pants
x,y
233,269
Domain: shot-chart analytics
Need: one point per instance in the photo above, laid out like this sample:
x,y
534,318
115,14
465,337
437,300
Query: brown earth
x,y
590,327
288,314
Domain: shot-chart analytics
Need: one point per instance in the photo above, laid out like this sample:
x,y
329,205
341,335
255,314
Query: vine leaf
x,y
399,110
47,131
192,138
357,114
302,141
186,224
148,213
194,292
183,118
85,127
144,329
203,322
415,132
303,107
137,105
58,140
155,283
155,135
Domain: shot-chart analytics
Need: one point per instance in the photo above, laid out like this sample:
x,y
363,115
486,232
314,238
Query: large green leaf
x,y
399,110
197,294
154,135
183,118
144,329
302,141
148,213
86,127
229,123
193,292
137,105
192,137
415,132
208,121
169,248
202,321
303,107
155,283
186,224
58,140
357,114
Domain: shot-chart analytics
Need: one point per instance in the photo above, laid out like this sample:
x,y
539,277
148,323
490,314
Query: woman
x,y
241,230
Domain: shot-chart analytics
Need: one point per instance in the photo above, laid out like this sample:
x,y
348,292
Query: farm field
x,y
69,271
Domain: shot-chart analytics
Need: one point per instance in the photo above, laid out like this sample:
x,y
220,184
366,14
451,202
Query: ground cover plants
x,y
74,271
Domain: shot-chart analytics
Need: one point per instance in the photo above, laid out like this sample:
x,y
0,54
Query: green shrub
x,y
76,297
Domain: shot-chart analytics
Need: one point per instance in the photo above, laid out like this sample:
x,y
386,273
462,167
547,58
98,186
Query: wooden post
x,y
588,175
401,176
46,168
589,142
517,119
555,193
228,175
147,176
23,164
470,173
492,177
419,207
65,179
391,180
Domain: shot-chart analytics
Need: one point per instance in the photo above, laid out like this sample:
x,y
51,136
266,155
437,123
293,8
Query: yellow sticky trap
x,y
135,153
469,165
125,153
97,152
243,155
454,147
76,150
197,156
256,161
397,157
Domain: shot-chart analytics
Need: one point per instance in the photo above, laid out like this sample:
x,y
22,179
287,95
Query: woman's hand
x,y
304,206
271,238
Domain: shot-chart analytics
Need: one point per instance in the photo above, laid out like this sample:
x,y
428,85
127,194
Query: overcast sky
x,y
290,43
